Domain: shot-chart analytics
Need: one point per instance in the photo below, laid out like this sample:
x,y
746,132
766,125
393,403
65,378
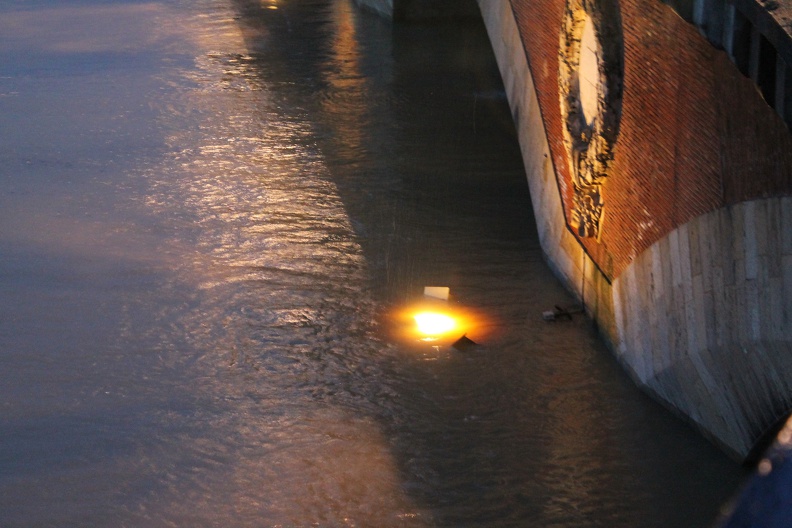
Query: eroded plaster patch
x,y
591,65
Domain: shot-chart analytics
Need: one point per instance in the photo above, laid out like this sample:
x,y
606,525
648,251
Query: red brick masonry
x,y
696,135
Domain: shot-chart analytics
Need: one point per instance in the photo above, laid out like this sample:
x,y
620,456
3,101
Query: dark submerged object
x,y
464,343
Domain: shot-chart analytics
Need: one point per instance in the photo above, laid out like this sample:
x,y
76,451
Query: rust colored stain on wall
x,y
695,134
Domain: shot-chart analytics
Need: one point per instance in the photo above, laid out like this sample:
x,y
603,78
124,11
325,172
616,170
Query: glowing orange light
x,y
437,322
434,324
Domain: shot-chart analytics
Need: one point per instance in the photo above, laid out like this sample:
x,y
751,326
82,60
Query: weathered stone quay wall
x,y
688,268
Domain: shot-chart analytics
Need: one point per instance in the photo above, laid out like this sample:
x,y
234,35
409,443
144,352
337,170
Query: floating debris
x,y
559,313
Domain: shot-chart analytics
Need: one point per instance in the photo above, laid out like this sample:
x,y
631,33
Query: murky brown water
x,y
209,212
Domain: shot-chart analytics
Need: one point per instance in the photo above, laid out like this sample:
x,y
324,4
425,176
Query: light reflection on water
x,y
195,325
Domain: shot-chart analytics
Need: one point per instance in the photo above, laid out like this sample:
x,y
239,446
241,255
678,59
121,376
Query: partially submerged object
x,y
463,343
558,313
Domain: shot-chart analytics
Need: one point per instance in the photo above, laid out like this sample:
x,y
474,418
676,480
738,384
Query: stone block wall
x,y
705,320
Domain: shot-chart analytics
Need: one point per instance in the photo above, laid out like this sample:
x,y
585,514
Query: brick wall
x,y
695,133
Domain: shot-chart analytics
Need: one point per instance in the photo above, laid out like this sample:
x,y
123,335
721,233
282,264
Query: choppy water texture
x,y
209,212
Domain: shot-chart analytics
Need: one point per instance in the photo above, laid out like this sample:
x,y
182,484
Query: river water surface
x,y
210,213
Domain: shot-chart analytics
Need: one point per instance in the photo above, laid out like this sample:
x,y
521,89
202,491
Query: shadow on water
x,y
416,131
538,426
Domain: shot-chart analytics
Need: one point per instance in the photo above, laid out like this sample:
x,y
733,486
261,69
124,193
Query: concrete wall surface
x,y
690,280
